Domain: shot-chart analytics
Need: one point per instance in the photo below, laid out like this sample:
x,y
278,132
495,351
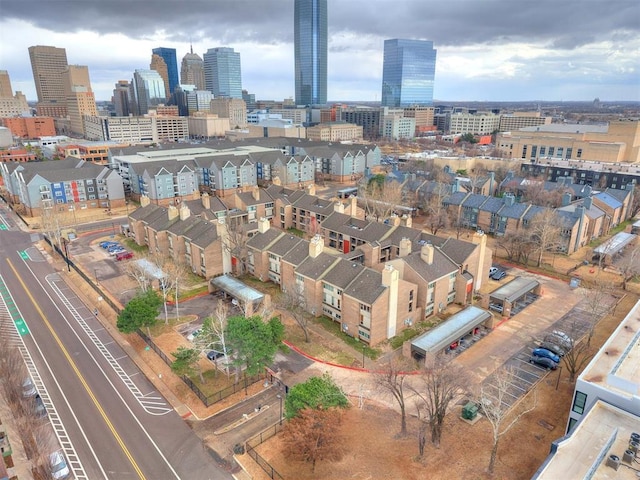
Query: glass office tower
x,y
222,73
170,58
148,88
408,72
310,39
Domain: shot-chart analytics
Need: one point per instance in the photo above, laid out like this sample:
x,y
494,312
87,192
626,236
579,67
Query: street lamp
x,y
280,398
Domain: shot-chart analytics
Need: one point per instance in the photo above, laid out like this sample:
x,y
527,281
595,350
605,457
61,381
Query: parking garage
x,y
457,332
515,295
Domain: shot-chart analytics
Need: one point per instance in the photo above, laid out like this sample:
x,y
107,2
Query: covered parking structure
x,y
608,250
450,334
515,295
247,298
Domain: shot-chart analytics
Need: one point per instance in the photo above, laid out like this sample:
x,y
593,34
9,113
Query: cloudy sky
x,y
496,50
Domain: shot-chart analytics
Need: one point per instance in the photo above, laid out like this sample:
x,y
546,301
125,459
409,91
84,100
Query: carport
x,y
448,334
612,247
249,299
516,294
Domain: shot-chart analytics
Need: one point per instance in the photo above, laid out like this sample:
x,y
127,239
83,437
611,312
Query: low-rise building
x,y
29,127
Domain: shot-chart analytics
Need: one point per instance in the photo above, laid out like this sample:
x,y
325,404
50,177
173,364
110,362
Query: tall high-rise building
x,y
222,72
122,99
158,64
192,71
310,23
170,58
80,98
5,85
148,88
408,72
47,64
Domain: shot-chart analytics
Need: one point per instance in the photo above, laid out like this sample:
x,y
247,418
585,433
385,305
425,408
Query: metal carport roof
x,y
237,289
515,289
614,244
449,331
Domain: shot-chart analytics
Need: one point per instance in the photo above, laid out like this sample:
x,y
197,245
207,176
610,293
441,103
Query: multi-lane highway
x,y
108,417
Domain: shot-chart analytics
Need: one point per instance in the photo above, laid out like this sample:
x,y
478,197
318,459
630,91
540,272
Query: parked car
x,y
58,465
126,255
493,270
560,341
552,347
496,306
543,352
213,355
192,336
544,362
114,247
28,388
39,409
499,275
563,336
108,244
113,252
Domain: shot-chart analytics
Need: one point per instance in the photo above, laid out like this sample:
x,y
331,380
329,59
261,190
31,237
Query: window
x,y
579,153
572,422
534,151
569,152
543,150
559,152
524,151
579,402
551,150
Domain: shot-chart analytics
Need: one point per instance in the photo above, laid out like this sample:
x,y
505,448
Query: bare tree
x,y
174,274
578,355
392,380
380,198
439,384
236,236
435,211
140,273
494,404
517,246
629,264
213,333
293,300
312,436
545,229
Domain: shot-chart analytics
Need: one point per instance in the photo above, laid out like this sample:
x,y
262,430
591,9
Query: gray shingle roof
x,y
442,265
366,287
284,244
342,273
297,254
315,268
260,241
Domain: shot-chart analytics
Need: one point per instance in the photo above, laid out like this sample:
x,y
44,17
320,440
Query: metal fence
x,y
257,440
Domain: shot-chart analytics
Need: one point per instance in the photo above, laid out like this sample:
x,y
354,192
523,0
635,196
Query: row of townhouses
x,y
374,279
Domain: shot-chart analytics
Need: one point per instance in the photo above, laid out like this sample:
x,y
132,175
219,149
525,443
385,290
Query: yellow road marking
x,y
79,375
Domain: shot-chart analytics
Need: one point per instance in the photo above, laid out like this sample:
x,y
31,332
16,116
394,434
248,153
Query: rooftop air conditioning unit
x,y
628,456
613,461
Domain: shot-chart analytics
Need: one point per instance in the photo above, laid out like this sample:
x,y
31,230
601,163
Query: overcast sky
x,y
497,50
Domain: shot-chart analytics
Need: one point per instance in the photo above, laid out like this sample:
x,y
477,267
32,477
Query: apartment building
x,y
618,142
518,120
232,108
207,125
480,123
67,184
395,126
334,132
136,130
274,167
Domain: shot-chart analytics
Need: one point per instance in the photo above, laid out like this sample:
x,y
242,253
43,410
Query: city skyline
x,y
492,50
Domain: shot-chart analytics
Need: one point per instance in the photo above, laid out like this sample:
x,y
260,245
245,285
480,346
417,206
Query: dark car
x,y
544,362
499,275
543,352
553,347
213,355
558,340
38,407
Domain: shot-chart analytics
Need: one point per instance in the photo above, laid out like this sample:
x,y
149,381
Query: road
x,y
110,421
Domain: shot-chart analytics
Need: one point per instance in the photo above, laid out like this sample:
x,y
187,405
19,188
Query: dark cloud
x,y
563,23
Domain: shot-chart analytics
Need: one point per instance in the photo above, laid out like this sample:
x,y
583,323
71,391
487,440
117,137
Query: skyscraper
x,y
158,64
192,71
47,64
148,88
5,85
170,58
310,39
407,73
222,72
122,101
79,96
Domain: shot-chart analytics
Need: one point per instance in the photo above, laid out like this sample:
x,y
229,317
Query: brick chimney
x,y
353,206
255,192
391,280
172,212
263,225
184,212
394,220
316,245
426,253
338,207
311,189
405,247
144,200
406,221
206,200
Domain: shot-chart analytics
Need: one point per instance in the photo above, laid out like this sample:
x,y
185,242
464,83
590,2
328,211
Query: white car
x,y
492,270
59,467
192,336
28,388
